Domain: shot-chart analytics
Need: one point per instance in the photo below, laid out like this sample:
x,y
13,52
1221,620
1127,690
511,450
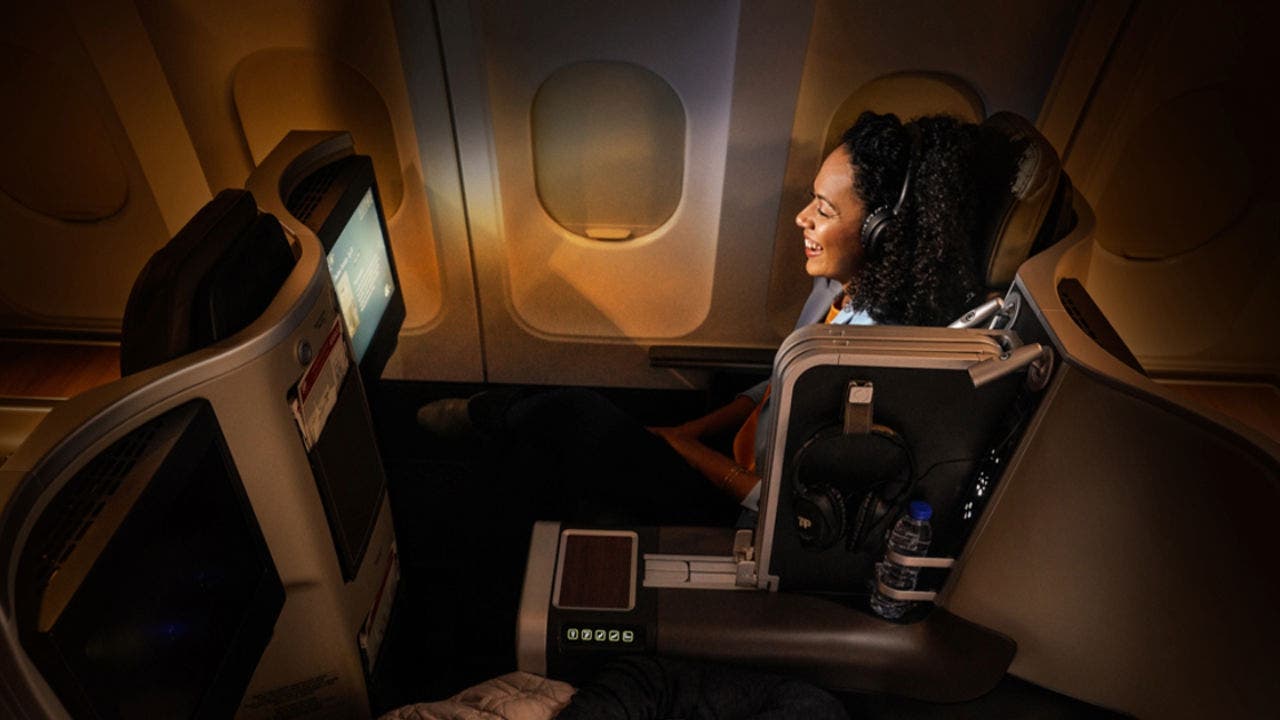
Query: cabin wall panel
x,y
766,88
1122,553
560,284
102,167
1177,154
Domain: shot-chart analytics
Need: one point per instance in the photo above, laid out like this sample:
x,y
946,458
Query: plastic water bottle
x,y
910,536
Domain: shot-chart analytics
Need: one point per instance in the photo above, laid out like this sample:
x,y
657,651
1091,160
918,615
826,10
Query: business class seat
x,y
236,332
1029,194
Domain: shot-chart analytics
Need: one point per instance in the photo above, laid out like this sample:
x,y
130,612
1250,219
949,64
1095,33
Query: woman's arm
x,y
723,471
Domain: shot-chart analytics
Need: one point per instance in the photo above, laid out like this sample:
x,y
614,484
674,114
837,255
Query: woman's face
x,y
832,221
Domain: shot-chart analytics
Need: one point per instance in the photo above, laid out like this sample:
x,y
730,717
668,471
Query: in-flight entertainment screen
x,y
362,274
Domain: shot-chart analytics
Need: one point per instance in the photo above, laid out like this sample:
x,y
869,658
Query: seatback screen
x,y
362,274
164,600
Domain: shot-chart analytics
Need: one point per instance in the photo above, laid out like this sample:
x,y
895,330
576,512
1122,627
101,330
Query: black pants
x,y
653,687
571,454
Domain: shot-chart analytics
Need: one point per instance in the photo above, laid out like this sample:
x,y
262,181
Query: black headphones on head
x,y
875,223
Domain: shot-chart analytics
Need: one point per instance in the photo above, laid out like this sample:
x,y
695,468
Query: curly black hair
x,y
923,269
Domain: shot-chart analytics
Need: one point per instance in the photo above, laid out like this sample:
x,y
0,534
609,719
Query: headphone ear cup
x,y
873,227
820,516
870,511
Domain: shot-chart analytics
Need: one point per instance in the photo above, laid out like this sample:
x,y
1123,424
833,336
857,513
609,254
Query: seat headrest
x,y
1027,196
210,281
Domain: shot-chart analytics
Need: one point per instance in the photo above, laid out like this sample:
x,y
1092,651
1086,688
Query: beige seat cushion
x,y
1024,202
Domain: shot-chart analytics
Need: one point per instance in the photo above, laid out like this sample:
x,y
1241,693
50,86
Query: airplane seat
x,y
1027,196
908,95
210,533
204,286
782,597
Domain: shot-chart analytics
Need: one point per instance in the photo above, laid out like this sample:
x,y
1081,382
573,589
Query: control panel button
x,y
602,636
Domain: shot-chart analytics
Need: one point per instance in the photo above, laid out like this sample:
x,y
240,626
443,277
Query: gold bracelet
x,y
734,471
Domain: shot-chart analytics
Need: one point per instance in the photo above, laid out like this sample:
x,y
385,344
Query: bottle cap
x,y
920,510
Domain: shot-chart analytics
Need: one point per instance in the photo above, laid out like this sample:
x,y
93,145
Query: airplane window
x,y
608,149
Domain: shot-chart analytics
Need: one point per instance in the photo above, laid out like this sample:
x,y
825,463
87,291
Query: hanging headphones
x,y
877,220
844,469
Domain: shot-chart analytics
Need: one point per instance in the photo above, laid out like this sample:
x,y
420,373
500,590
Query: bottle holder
x,y
915,562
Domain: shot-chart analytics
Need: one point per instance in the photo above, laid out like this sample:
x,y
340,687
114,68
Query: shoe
x,y
447,418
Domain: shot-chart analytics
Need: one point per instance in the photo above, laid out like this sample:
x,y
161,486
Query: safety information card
x,y
316,393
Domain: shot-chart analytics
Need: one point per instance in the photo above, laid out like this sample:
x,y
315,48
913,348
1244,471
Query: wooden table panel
x,y
44,369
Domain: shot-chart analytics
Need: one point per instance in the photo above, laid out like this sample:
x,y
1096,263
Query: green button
x,y
628,636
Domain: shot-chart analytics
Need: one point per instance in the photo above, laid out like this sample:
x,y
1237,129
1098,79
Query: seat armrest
x,y
942,658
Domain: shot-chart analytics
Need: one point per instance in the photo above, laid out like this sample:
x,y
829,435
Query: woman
x,y
889,237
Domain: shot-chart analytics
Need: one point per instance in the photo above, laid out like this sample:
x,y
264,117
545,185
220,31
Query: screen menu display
x,y
361,274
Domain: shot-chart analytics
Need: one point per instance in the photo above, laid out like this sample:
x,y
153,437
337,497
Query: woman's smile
x,y
832,221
